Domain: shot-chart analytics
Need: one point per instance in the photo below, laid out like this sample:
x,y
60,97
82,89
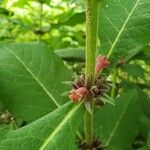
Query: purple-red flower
x,y
101,63
78,94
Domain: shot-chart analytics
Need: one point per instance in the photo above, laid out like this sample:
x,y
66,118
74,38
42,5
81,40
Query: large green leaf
x,y
31,79
56,130
134,70
118,125
124,26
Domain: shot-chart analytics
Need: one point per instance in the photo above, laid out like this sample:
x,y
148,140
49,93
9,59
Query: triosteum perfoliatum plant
x,y
74,75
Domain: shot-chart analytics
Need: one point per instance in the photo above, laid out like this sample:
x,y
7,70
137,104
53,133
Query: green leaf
x,y
20,3
149,138
88,107
145,148
134,70
118,125
143,56
71,54
31,79
123,26
106,100
4,11
146,121
108,97
4,129
130,85
144,102
132,54
77,18
54,131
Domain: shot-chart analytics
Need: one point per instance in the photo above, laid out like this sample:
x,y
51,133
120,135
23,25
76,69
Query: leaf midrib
x,y
59,126
33,76
122,29
118,122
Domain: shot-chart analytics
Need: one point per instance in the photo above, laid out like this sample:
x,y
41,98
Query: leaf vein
x,y
118,122
59,126
34,77
122,28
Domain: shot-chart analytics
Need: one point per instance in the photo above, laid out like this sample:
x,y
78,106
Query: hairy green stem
x,y
88,125
114,78
91,8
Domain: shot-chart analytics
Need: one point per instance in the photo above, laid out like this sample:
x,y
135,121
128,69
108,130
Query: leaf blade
x,y
122,28
112,122
58,127
126,32
48,132
34,77
29,75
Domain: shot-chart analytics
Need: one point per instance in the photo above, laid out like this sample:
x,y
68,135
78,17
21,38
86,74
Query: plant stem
x,y
91,8
114,78
88,126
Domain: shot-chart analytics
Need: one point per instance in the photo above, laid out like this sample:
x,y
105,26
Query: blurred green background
x,y
57,23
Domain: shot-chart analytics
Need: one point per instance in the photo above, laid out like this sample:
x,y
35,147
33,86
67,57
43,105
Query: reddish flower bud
x,y
76,95
121,61
101,63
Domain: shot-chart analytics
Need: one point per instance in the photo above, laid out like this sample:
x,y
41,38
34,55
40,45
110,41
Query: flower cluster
x,y
100,86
